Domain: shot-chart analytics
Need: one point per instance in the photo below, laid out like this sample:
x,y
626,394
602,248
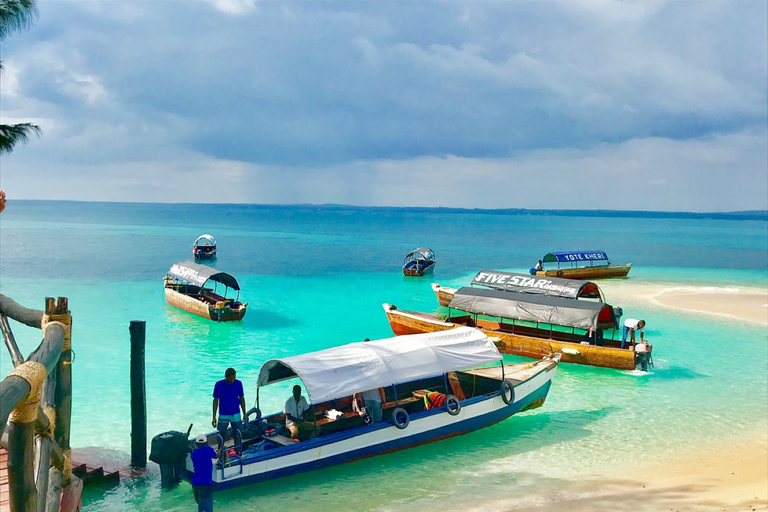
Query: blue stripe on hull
x,y
451,430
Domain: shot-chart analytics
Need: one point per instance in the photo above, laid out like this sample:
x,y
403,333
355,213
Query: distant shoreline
x,y
761,215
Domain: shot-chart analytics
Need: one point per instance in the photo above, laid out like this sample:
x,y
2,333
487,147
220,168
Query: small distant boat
x,y
419,262
204,247
579,265
529,325
525,283
463,366
195,289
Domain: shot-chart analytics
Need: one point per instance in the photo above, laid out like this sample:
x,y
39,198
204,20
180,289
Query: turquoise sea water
x,y
316,277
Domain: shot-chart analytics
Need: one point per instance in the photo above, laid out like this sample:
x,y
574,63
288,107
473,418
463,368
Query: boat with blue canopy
x,y
463,365
579,265
419,262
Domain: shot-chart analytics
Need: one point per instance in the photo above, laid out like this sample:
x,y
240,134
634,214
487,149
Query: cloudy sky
x,y
578,104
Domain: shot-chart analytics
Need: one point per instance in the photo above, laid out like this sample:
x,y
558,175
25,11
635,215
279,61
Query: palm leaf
x,y
16,15
10,135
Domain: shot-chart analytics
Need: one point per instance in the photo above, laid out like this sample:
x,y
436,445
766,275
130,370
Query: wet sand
x,y
749,306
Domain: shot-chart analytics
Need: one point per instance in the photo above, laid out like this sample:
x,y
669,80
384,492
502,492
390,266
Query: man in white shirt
x,y
632,326
295,407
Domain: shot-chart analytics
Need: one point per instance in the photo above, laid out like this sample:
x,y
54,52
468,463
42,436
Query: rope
x,y
34,373
66,471
51,413
66,324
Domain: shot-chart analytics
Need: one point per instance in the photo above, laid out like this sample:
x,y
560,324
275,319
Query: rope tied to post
x,y
63,321
50,412
34,373
66,471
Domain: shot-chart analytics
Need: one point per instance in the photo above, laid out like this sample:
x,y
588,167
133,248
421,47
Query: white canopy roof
x,y
341,371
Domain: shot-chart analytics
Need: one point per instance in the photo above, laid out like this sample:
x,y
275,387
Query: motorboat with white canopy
x,y
204,247
529,325
462,365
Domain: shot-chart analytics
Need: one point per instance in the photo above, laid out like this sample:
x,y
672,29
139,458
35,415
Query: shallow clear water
x,y
316,277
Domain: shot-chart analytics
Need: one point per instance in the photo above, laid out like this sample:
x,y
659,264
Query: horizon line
x,y
755,214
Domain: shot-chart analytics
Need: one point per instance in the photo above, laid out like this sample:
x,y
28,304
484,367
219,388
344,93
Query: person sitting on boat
x,y
202,481
227,395
643,352
539,266
631,327
295,408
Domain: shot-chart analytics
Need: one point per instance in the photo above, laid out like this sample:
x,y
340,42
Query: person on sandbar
x,y
631,327
295,408
228,394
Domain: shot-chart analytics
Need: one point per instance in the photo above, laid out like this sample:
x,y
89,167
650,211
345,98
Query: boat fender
x,y
570,351
507,392
400,418
253,410
452,405
559,273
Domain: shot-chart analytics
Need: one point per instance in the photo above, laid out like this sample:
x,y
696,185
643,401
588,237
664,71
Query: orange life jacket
x,y
434,399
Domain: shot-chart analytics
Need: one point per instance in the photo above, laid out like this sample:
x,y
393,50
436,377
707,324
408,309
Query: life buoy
x,y
400,418
452,405
559,273
254,410
507,392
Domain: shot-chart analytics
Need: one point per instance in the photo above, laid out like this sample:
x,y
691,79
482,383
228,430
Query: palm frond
x,y
16,15
13,134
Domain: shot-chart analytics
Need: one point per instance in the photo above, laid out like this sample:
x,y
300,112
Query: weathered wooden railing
x,y
36,407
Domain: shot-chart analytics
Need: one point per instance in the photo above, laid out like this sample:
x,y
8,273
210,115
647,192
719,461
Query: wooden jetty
x,y
35,413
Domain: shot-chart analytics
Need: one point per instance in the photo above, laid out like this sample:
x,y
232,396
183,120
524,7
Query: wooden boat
x,y
580,265
406,368
525,283
527,325
204,247
195,289
419,262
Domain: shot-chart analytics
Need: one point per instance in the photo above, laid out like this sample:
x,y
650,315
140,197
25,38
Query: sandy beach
x,y
749,306
731,478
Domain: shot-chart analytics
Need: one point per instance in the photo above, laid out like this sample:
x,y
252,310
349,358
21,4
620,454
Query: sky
x,y
572,104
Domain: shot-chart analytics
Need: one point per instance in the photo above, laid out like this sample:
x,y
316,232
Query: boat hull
x,y
408,322
588,273
415,272
444,294
384,437
204,309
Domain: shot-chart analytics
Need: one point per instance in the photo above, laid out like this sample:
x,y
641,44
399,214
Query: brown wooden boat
x,y
502,315
579,265
194,289
525,283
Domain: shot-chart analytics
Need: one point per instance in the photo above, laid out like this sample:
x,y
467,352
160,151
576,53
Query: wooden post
x,y
21,467
45,445
138,330
59,312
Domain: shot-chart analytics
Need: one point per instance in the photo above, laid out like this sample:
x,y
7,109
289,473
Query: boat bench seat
x,y
213,296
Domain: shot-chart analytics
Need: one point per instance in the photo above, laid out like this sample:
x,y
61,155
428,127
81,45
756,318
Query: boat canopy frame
x,y
576,257
526,283
422,253
534,308
196,274
341,371
205,238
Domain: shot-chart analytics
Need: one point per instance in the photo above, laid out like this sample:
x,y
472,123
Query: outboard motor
x,y
169,450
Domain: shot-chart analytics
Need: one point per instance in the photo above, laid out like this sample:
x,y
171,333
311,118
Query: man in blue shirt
x,y
227,396
202,478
